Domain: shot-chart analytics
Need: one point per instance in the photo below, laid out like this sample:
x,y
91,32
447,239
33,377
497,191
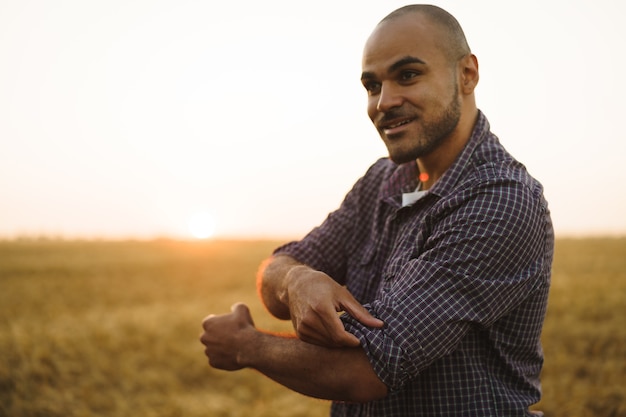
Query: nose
x,y
388,98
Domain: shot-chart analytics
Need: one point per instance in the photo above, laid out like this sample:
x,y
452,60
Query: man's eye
x,y
409,75
372,87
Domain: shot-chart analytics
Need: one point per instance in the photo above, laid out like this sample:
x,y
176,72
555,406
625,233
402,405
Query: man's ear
x,y
469,73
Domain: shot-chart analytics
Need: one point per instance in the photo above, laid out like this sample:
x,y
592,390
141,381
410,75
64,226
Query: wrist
x,y
293,274
249,347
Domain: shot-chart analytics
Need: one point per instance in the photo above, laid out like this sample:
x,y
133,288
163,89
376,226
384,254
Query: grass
x,y
111,329
584,336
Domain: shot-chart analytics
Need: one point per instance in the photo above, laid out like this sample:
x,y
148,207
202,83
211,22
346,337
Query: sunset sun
x,y
202,225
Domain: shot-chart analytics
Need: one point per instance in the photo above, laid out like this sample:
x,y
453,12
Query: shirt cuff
x,y
394,365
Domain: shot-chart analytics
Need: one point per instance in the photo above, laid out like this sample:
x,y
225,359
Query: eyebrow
x,y
395,66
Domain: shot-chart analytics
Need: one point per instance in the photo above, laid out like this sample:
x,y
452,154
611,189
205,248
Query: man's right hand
x,y
314,301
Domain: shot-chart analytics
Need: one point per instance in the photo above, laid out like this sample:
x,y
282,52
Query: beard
x,y
434,132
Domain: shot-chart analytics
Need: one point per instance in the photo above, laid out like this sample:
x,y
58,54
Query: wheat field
x,y
103,328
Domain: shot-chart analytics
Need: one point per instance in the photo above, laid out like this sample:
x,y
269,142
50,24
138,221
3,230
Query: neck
x,y
435,164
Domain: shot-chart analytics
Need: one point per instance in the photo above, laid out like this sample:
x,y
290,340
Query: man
x,y
439,257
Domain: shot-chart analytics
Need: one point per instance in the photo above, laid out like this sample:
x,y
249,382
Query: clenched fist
x,y
226,336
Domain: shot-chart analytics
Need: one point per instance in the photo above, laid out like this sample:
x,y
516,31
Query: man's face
x,y
413,97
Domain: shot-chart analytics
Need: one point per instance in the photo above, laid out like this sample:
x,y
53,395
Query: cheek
x,y
372,110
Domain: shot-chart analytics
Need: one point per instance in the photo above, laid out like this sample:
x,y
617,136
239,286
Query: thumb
x,y
242,310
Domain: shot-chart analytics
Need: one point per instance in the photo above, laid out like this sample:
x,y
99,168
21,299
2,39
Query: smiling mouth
x,y
392,128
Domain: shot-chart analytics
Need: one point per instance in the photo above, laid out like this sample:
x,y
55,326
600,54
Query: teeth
x,y
398,124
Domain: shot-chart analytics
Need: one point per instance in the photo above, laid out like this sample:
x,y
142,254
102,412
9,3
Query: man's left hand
x,y
225,335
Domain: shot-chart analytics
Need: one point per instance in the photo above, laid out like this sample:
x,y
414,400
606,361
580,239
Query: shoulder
x,y
381,169
493,167
494,185
376,175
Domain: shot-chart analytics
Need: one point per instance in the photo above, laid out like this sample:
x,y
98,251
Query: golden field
x,y
111,329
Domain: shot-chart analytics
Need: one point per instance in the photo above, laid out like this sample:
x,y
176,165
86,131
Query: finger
x,y
340,339
313,328
347,339
206,320
328,329
360,313
312,337
338,335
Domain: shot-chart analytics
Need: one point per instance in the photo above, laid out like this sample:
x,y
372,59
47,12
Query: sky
x,y
135,118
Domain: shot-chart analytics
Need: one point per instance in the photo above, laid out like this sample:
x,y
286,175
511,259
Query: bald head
x,y
452,40
420,77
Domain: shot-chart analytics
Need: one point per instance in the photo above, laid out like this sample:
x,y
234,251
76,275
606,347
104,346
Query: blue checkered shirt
x,y
460,278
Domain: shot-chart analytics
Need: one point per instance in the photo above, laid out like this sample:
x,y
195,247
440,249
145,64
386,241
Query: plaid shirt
x,y
460,278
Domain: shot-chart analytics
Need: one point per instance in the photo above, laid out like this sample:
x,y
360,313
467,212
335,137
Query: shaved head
x,y
453,41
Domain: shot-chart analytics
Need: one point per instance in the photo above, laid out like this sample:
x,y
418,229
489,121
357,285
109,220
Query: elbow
x,y
367,390
277,310
358,381
267,292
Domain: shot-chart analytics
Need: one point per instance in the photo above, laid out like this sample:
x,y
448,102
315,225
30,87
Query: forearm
x,y
272,286
341,374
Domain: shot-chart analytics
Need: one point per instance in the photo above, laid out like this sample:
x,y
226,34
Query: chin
x,y
401,159
402,156
402,151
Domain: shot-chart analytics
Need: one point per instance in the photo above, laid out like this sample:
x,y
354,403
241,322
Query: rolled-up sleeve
x,y
477,256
